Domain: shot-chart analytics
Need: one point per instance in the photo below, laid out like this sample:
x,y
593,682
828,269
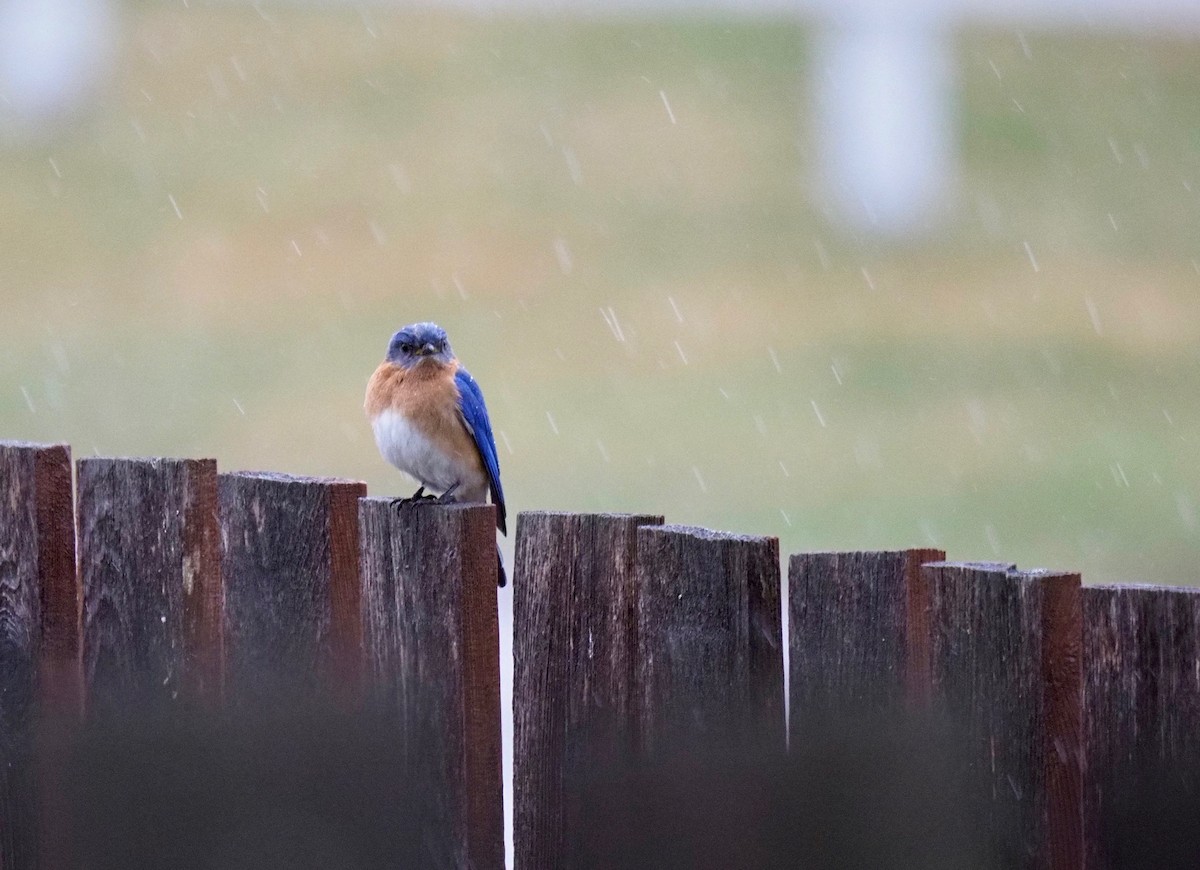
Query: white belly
x,y
407,448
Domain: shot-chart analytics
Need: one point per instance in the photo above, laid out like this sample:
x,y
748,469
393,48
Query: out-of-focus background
x,y
855,277
856,280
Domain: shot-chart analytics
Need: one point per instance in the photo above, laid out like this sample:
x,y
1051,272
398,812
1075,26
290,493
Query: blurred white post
x,y
885,117
53,56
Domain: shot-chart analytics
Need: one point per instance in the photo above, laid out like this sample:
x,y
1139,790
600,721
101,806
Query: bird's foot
x,y
417,498
447,497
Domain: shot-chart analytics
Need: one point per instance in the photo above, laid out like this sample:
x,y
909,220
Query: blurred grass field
x,y
213,261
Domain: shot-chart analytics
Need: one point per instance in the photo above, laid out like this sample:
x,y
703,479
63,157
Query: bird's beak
x,y
428,350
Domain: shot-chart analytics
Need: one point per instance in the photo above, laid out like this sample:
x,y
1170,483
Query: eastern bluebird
x,y
431,423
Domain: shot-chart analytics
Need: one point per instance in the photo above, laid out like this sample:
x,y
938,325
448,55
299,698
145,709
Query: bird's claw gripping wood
x,y
417,498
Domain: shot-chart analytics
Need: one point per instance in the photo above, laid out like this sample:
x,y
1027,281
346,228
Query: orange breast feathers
x,y
416,413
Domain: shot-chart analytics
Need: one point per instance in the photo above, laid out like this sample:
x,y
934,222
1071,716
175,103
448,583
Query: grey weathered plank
x,y
431,636
710,646
858,634
39,626
151,579
1142,717
1006,668
575,635
292,588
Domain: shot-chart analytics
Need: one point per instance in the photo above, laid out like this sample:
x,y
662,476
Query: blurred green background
x,y
212,260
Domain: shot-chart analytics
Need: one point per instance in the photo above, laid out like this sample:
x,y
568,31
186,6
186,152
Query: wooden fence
x,y
162,580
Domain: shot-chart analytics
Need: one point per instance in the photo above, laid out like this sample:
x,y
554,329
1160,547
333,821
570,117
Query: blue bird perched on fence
x,y
430,421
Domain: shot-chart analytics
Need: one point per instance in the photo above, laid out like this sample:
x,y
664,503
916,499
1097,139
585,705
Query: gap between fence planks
x,y
432,639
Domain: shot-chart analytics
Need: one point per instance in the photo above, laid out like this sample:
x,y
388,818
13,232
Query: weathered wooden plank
x,y
710,646
432,646
575,636
39,626
292,590
1006,668
858,634
151,580
1142,724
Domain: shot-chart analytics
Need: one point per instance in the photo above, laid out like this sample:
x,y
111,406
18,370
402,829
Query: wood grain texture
x,y
39,626
859,634
1142,710
1006,668
151,580
575,636
710,645
289,556
431,636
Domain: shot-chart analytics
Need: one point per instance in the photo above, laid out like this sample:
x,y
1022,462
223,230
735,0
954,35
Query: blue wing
x,y
475,415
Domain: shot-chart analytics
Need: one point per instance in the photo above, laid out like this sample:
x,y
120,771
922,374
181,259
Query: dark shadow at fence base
x,y
286,785
861,794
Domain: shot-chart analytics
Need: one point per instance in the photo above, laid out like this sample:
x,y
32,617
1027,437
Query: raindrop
x,y
783,468
774,359
175,206
239,407
699,479
553,425
785,516
614,325
837,376
400,178
822,256
572,165
28,400
682,355
1032,259
563,254
817,411
603,451
667,106
675,308
1094,315
1187,511
1118,474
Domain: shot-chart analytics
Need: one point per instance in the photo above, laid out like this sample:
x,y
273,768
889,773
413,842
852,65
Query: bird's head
x,y
417,343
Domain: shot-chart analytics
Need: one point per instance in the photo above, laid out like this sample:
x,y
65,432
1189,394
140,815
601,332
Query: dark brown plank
x,y
575,634
292,590
151,579
859,634
1142,723
710,645
39,625
432,645
1005,662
